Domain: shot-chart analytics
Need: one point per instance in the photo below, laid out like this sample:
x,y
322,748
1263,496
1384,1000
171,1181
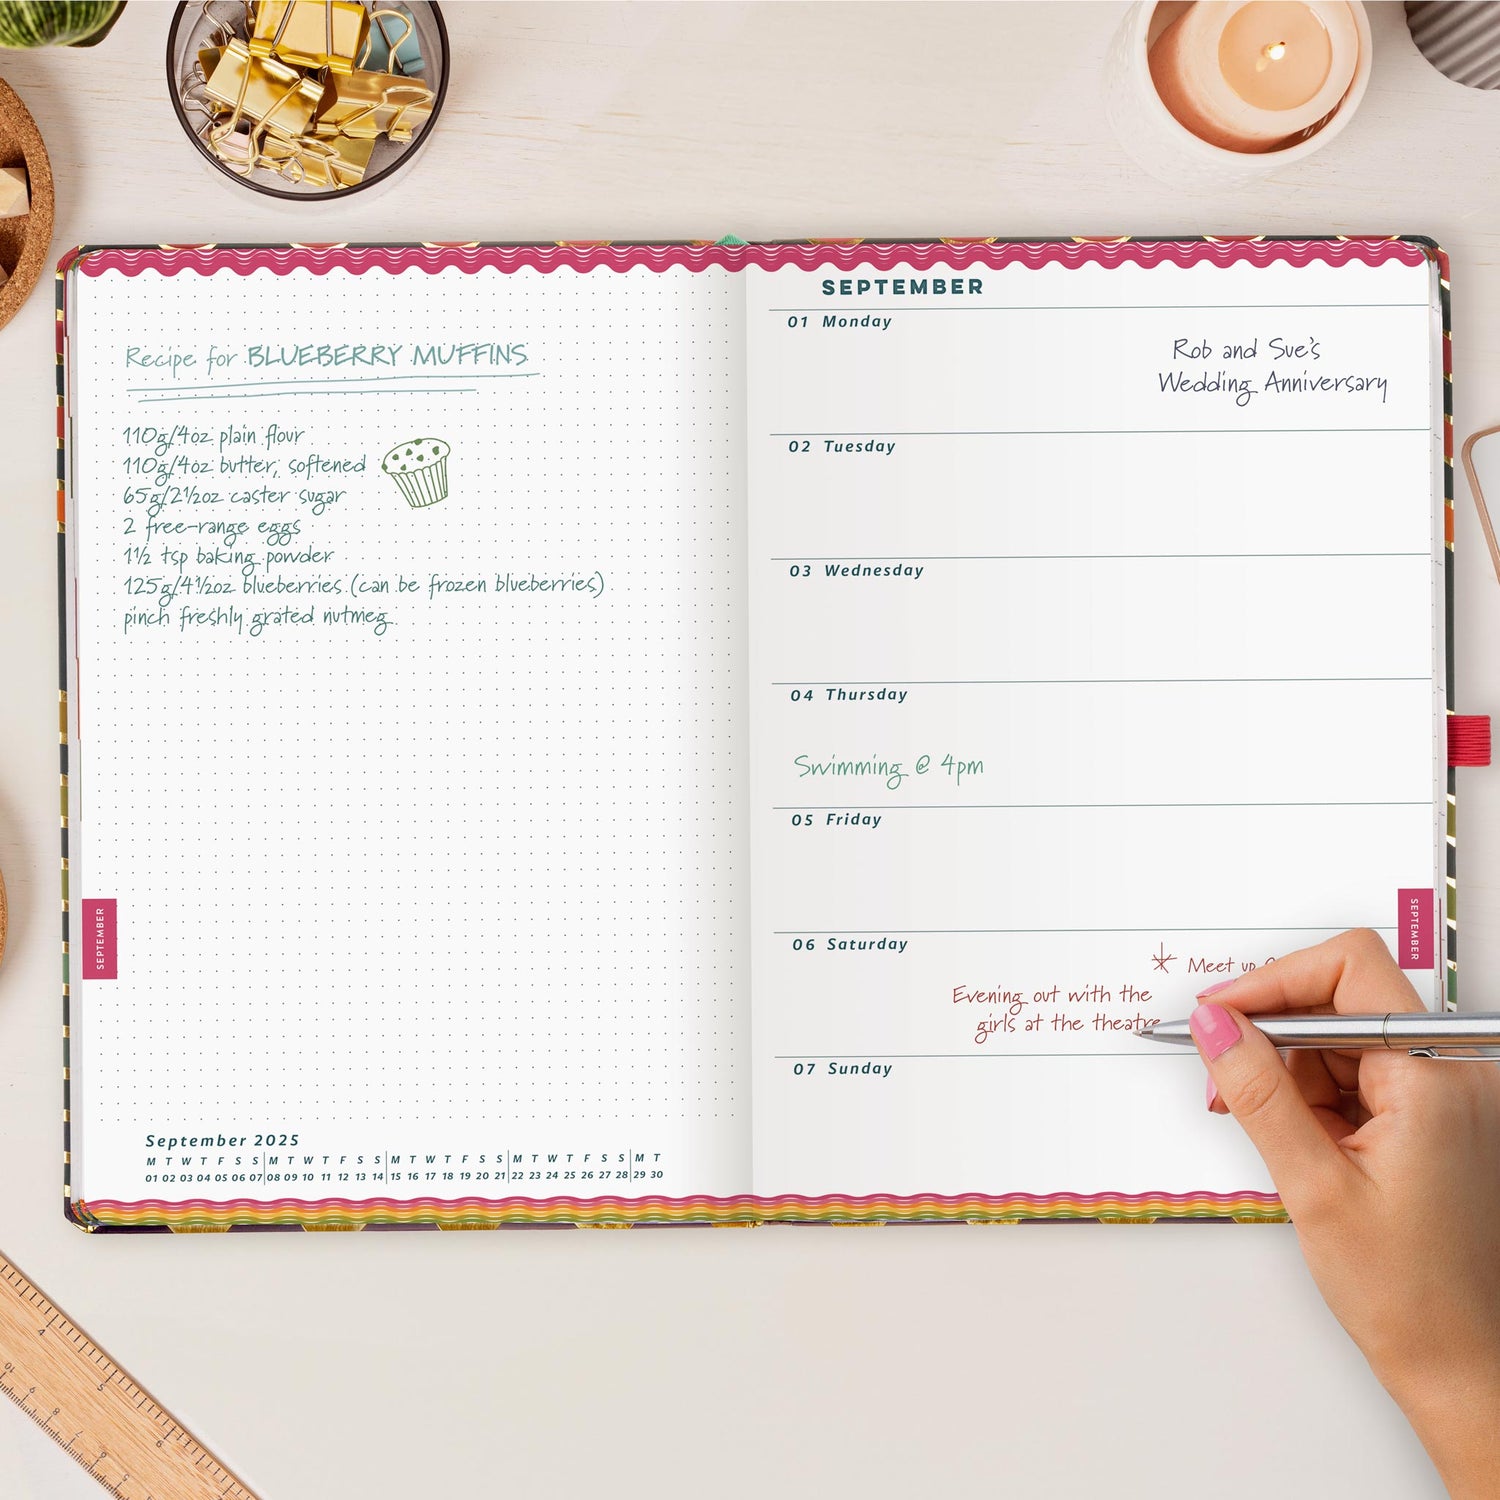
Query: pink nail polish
x,y
1216,1030
1210,1094
1213,989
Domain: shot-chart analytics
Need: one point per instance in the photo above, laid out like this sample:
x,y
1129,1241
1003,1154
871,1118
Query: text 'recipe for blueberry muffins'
x,y
420,468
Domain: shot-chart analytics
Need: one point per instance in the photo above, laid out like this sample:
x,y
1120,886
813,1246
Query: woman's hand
x,y
1390,1168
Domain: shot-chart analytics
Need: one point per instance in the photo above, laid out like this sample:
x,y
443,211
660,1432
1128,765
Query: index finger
x,y
1352,973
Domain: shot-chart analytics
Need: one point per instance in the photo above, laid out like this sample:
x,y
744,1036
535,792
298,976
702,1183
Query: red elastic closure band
x,y
1468,739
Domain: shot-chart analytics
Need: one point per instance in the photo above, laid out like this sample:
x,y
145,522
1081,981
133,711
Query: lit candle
x,y
1250,76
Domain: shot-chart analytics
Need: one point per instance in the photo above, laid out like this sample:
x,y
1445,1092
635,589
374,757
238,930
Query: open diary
x,y
721,732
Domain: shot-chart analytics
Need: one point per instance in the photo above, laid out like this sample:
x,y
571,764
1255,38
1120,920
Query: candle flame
x,y
1273,52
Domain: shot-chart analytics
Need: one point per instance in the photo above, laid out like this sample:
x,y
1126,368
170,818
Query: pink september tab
x,y
1415,945
98,941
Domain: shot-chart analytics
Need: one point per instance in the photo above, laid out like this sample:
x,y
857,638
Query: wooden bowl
x,y
24,240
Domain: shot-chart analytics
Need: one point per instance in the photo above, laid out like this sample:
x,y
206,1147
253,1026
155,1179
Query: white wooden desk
x,y
1034,1362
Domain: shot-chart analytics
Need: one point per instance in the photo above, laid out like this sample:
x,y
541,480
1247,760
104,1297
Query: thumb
x,y
1262,1095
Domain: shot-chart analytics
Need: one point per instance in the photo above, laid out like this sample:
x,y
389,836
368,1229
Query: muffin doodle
x,y
420,469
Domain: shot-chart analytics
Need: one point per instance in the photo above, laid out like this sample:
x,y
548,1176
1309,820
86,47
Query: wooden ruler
x,y
94,1411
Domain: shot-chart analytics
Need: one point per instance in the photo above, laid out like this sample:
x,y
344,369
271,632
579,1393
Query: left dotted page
x,y
406,630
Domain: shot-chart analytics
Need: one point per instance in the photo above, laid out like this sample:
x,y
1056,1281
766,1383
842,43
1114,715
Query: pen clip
x,y
1474,1054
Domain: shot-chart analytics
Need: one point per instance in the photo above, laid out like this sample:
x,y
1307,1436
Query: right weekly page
x,y
1097,654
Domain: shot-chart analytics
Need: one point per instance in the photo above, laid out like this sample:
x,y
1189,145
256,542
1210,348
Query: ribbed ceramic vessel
x,y
1461,40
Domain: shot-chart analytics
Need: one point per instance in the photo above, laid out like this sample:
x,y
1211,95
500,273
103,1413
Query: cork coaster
x,y
23,241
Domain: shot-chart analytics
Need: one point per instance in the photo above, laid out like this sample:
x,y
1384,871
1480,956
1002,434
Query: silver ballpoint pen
x,y
1421,1033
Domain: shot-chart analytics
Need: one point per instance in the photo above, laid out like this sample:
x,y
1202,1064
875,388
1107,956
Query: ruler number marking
x,y
173,1445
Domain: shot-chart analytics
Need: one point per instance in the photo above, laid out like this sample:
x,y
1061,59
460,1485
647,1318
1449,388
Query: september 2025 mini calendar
x,y
722,732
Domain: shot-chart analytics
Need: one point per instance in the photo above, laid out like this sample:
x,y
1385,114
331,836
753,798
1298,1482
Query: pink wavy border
x,y
170,260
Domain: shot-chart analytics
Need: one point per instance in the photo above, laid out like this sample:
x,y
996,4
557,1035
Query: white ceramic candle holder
x,y
1168,150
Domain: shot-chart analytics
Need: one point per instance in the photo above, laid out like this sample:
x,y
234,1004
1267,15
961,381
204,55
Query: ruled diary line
x,y
1165,931
895,807
1088,556
1072,681
1122,307
1181,1055
861,432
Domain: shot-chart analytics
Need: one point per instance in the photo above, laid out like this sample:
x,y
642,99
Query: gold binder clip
x,y
262,89
311,33
372,104
369,102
